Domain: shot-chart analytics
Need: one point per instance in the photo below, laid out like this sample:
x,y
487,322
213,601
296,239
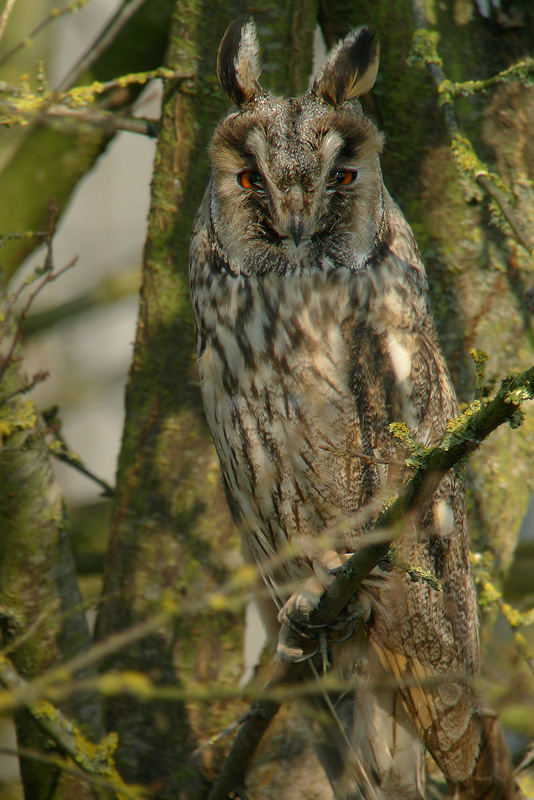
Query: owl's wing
x,y
426,640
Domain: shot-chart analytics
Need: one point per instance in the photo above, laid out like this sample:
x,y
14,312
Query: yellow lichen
x,y
417,451
218,602
424,48
135,683
245,576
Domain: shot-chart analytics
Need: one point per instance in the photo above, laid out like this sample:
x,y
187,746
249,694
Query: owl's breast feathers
x,y
301,375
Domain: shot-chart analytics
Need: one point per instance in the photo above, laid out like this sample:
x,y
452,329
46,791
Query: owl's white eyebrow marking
x,y
330,147
256,143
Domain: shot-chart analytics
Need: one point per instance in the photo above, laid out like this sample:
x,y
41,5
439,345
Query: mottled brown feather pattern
x,y
309,347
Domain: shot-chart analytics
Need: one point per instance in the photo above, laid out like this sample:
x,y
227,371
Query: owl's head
x,y
296,180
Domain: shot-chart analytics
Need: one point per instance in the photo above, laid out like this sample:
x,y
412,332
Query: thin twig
x,y
28,693
38,377
527,761
221,735
64,734
369,459
109,122
96,781
262,712
68,456
55,14
48,278
5,16
508,213
113,27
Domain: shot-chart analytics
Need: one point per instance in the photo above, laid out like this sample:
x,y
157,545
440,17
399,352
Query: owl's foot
x,y
300,639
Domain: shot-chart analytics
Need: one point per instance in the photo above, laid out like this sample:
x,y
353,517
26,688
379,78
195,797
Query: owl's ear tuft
x,y
238,62
350,70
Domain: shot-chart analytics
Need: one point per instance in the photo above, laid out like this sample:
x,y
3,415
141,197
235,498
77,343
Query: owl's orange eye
x,y
342,177
250,179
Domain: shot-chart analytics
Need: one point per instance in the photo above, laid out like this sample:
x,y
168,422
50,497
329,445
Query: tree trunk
x,y
172,530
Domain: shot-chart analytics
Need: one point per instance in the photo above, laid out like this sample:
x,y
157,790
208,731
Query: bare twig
x,y
262,712
113,27
5,16
508,213
527,761
60,450
29,693
48,278
73,460
69,740
73,6
109,122
38,377
65,765
461,438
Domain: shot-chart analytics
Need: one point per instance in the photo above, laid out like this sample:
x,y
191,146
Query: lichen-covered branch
x,y
462,436
489,594
94,760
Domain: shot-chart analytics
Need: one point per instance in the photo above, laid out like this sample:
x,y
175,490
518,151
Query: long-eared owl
x,y
315,334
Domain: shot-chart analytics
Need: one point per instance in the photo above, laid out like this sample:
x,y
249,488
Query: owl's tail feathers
x,y
461,733
492,777
371,751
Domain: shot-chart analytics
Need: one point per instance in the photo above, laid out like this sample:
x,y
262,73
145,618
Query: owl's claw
x,y
300,640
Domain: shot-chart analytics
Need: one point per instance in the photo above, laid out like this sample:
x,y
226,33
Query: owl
x,y
314,335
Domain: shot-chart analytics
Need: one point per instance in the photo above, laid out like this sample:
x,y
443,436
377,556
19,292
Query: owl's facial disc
x,y
295,178
293,174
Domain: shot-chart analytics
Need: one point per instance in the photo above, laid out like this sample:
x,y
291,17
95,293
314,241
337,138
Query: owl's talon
x,y
290,646
299,639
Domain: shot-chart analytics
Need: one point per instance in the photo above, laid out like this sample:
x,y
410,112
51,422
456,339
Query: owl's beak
x,y
295,229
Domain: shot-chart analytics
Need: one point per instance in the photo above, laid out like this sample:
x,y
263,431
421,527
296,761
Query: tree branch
x,y
92,759
462,437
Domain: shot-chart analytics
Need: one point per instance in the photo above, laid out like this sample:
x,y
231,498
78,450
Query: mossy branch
x,y
461,438
23,105
521,72
94,760
424,50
